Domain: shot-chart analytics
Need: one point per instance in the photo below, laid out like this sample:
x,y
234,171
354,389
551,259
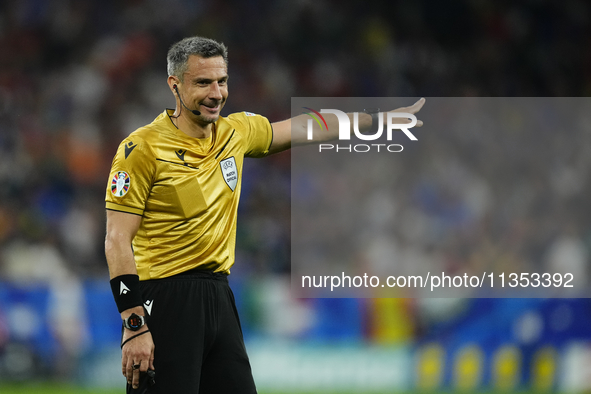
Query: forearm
x,y
294,131
321,132
119,256
121,262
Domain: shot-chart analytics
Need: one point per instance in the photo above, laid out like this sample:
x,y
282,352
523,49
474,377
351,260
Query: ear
x,y
172,82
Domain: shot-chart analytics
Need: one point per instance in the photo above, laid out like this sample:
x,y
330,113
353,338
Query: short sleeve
x,y
258,133
131,177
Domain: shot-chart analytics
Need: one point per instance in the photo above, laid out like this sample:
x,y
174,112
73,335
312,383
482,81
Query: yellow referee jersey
x,y
187,191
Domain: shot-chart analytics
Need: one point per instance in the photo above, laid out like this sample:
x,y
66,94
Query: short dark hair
x,y
179,53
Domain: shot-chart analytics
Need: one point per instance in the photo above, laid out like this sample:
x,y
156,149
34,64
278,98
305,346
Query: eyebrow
x,y
209,80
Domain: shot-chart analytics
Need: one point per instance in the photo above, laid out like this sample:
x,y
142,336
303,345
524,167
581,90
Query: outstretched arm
x,y
293,131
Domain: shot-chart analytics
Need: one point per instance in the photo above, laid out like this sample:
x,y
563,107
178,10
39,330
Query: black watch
x,y
375,120
134,322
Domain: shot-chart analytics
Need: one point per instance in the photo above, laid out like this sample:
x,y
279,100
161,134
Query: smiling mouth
x,y
211,107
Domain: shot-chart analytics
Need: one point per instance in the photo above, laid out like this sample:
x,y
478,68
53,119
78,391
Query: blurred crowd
x,y
78,76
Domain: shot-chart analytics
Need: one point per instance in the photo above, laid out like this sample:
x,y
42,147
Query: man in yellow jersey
x,y
172,201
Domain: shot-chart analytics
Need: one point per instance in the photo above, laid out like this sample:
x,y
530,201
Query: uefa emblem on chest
x,y
230,172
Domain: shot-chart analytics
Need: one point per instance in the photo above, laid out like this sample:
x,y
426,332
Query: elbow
x,y
117,240
112,242
109,244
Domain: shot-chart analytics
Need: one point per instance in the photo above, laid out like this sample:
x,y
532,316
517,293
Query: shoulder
x,y
146,138
245,119
141,140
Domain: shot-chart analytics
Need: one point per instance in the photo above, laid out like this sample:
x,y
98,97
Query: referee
x,y
172,200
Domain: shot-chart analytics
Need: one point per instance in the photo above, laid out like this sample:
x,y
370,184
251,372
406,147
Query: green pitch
x,y
50,388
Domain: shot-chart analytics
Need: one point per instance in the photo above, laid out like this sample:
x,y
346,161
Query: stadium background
x,y
77,76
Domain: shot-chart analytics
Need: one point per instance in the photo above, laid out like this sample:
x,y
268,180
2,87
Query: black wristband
x,y
375,120
126,291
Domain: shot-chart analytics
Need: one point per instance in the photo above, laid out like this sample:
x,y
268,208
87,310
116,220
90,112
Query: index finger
x,y
413,109
135,383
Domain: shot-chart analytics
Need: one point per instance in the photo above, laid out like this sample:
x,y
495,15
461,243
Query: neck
x,y
188,123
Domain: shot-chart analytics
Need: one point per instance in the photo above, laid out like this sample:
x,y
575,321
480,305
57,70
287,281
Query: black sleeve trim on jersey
x,y
226,144
116,210
272,134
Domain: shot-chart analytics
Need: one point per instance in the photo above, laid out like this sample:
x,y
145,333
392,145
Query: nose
x,y
215,93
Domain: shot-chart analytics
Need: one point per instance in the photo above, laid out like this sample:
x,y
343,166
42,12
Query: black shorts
x,y
199,348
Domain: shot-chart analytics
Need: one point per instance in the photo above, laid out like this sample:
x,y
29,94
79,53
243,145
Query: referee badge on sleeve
x,y
230,172
120,184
